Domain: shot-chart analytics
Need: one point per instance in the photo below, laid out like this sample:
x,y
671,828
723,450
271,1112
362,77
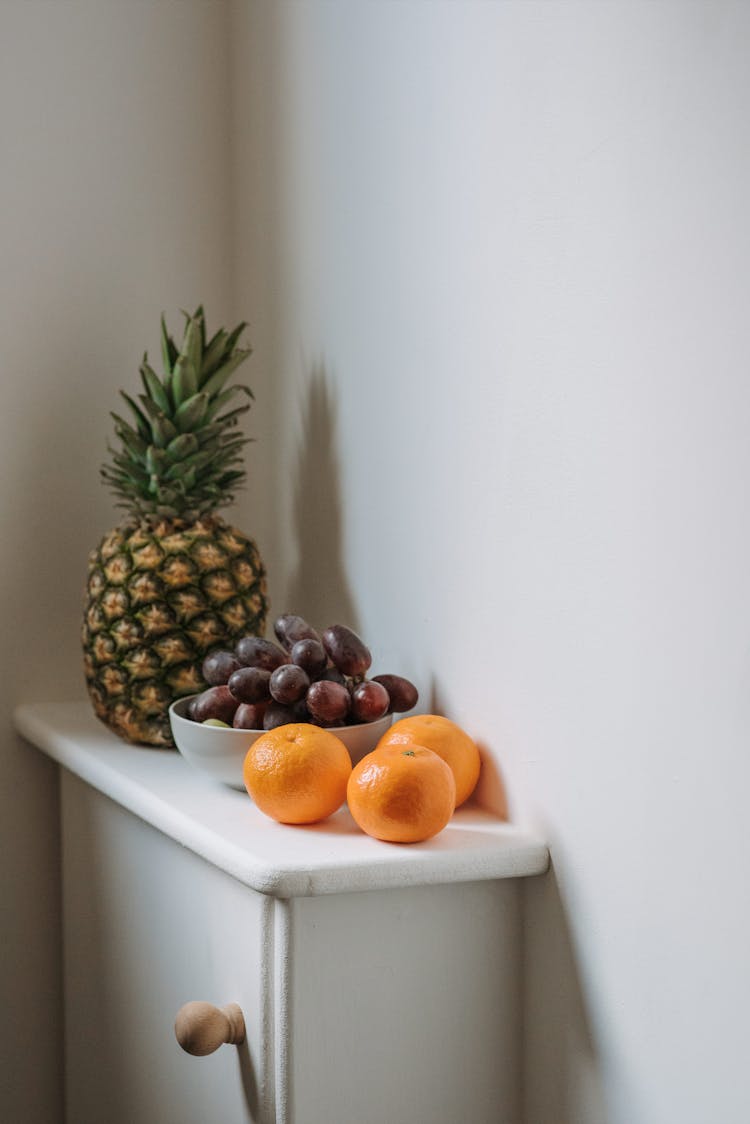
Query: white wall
x,y
113,206
495,258
502,285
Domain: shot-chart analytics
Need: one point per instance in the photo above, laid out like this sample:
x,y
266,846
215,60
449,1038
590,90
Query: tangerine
x,y
401,793
297,773
446,739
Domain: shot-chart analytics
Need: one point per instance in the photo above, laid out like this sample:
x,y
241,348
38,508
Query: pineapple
x,y
173,580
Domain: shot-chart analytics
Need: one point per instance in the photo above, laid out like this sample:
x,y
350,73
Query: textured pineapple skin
x,y
158,598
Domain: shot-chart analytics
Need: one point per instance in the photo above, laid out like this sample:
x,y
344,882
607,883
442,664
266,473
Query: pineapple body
x,y
159,597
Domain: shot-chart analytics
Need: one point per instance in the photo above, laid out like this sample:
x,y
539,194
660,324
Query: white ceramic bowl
x,y
221,752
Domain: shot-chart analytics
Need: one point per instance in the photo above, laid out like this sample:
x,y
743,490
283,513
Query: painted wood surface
x,y
224,826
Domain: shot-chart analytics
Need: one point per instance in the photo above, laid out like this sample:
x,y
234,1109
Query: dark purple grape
x,y
218,666
328,702
215,702
369,701
254,651
346,650
310,655
290,628
250,684
249,716
301,713
288,684
278,715
333,675
402,692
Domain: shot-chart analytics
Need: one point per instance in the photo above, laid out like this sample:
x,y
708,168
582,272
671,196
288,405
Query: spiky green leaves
x,y
180,454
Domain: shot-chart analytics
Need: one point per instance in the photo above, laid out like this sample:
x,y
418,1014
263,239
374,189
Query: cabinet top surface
x,y
224,826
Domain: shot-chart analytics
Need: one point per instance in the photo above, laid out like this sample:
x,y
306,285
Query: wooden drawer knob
x,y
200,1028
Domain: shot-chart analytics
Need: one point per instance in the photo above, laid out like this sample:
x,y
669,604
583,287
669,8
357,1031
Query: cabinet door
x,y
149,926
405,1006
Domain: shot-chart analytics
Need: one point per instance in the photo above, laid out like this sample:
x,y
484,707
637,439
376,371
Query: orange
x,y
402,794
297,773
446,739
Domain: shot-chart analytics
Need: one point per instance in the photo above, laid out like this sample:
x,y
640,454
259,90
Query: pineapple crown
x,y
181,457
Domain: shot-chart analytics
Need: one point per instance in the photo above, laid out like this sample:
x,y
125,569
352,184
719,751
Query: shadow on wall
x,y
491,792
562,1069
319,588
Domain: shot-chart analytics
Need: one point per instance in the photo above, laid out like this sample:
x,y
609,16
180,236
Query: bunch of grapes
x,y
306,677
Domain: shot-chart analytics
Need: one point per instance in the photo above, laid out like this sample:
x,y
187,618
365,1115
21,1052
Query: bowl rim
x,y
234,730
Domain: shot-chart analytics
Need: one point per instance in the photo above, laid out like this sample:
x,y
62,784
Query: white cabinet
x,y
149,925
378,983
